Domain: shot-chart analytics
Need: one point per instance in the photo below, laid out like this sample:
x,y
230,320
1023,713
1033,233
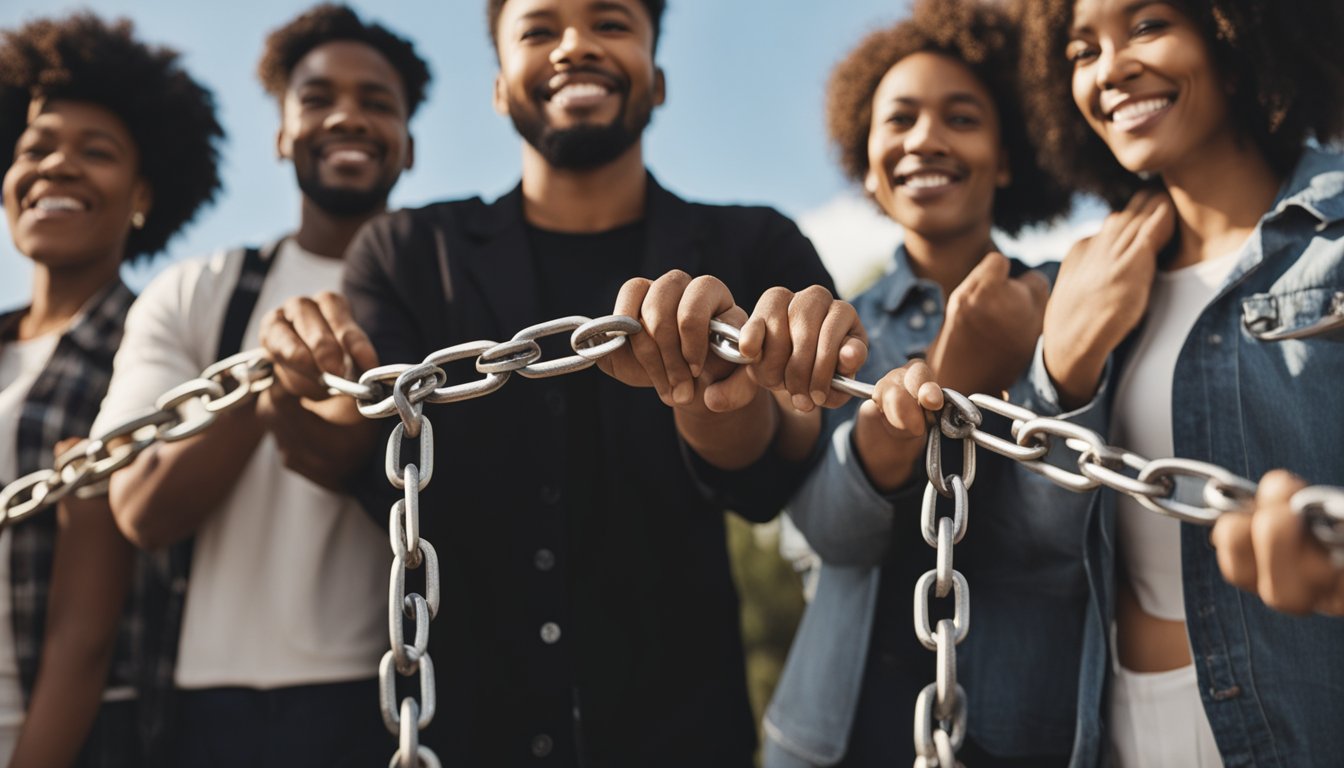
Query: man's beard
x,y
343,202
582,147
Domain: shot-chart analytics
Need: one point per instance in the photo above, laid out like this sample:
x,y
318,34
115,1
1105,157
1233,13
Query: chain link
x,y
1190,491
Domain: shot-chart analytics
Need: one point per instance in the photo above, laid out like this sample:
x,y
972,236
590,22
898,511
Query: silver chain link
x,y
401,390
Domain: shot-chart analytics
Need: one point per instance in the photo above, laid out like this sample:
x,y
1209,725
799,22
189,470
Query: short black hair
x,y
169,115
655,8
1285,65
985,40
287,45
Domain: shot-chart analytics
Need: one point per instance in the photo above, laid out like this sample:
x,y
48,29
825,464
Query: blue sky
x,y
743,121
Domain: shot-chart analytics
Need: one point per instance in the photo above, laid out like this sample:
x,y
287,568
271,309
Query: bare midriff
x,y
1144,642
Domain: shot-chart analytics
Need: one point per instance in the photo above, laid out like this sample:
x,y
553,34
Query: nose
x,y
347,115
574,46
1115,65
925,137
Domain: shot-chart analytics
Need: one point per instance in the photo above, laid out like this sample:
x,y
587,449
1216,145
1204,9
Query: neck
x,y
947,260
592,200
58,295
323,234
1220,196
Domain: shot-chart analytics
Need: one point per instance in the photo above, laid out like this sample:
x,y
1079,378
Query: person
x,y
95,175
587,614
275,651
1187,326
927,116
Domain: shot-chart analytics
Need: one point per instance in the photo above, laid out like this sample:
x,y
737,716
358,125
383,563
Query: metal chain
x,y
402,390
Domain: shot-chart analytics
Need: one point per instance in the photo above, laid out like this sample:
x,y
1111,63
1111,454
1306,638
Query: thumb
x,y
1037,285
993,268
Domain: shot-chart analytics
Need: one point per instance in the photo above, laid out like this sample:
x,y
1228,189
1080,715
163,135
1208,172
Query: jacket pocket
x,y
1300,314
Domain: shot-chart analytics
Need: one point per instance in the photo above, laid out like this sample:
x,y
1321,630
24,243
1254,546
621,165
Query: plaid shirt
x,y
62,403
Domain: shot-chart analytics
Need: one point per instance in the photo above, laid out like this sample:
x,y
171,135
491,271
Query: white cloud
x,y
856,241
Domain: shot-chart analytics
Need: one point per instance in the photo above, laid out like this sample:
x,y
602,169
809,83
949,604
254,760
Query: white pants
x,y
1157,720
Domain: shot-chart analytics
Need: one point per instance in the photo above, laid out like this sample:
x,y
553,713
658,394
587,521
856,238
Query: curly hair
x,y
982,38
287,45
170,117
1268,52
494,7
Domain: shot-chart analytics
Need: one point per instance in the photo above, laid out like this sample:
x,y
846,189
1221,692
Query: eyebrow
x,y
959,97
1129,9
326,82
95,133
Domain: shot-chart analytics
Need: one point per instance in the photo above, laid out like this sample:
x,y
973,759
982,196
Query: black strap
x,y
256,264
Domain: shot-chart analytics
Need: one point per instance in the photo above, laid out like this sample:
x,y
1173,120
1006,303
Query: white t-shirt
x,y
288,580
21,362
1150,544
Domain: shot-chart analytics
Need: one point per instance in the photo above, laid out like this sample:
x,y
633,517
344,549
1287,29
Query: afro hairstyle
x,y
1269,52
287,45
169,115
984,39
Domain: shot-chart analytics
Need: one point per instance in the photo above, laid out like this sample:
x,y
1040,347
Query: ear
x,y
284,144
1004,176
410,153
659,87
501,95
142,198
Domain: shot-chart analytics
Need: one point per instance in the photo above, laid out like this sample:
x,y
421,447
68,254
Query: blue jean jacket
x,y
1021,555
1272,684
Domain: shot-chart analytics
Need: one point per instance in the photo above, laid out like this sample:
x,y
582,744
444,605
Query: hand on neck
x,y
948,259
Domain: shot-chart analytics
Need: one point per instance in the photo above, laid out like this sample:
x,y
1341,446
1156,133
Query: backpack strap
x,y
251,277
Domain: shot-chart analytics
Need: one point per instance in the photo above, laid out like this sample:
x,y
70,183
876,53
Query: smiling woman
x,y
95,173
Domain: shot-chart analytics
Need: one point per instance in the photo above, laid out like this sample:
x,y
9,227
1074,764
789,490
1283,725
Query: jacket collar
x,y
501,259
1316,186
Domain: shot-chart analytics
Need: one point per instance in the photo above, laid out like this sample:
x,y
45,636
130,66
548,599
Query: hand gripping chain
x,y
402,390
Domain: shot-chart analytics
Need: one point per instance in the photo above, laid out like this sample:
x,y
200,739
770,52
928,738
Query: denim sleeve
x,y
845,519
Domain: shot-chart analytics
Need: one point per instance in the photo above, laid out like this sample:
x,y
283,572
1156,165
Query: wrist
x,y
888,461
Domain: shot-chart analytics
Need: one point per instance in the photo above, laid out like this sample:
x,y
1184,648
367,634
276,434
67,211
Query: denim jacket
x,y
1245,398
1022,560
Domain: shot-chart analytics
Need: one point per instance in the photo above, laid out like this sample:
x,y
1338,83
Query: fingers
x,y
904,395
637,362
336,310
768,337
1270,553
807,317
297,369
660,314
705,298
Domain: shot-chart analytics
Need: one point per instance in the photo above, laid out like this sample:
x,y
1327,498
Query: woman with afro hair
x,y
1206,321
927,117
108,149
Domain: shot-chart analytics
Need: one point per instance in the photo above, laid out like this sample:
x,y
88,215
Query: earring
x,y
138,220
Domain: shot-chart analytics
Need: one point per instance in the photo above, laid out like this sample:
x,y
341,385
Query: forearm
x,y
90,576
888,462
732,440
169,490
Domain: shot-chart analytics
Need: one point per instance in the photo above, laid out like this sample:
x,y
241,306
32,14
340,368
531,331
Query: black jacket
x,y
648,667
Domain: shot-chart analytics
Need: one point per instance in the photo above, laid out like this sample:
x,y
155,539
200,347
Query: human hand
x,y
307,337
672,353
1102,292
990,331
1270,553
801,342
890,428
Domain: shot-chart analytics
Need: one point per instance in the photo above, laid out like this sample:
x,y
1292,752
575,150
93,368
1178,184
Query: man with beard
x,y
273,642
588,616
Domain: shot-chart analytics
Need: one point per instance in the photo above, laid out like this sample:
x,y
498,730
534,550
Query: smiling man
x,y
274,639
588,612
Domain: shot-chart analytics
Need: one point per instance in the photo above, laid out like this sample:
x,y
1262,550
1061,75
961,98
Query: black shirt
x,y
588,613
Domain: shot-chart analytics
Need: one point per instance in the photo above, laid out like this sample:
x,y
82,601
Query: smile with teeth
x,y
925,179
579,93
1136,111
57,203
349,155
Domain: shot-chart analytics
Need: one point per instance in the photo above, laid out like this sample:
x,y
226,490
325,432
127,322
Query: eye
x,y
611,25
901,119
1080,52
963,121
1148,27
100,153
382,106
314,100
534,34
